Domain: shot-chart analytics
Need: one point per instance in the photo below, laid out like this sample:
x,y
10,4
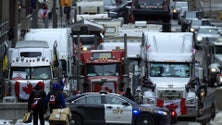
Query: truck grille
x,y
170,94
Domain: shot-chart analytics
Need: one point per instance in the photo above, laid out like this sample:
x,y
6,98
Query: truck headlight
x,y
199,38
192,29
174,11
202,92
213,70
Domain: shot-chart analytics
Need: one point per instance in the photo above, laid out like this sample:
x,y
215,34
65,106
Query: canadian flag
x,y
178,105
108,86
23,90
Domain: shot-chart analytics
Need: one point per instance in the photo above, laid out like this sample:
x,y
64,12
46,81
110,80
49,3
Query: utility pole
x,y
13,20
210,9
54,14
34,6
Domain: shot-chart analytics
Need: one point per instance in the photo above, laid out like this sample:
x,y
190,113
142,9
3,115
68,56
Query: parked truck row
x,y
159,65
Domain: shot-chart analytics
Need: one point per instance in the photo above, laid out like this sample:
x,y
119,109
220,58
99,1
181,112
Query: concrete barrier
x,y
13,111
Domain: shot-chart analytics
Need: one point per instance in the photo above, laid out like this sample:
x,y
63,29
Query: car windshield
x,y
208,31
180,4
103,69
180,70
33,73
86,41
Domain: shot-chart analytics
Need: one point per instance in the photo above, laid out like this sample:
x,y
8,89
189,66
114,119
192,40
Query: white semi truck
x,y
29,63
64,50
170,72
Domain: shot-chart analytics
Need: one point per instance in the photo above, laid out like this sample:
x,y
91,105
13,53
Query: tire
x,y
76,120
145,119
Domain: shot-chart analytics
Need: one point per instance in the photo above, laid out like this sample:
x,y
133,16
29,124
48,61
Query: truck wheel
x,y
76,120
145,119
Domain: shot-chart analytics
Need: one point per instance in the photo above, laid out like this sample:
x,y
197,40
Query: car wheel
x,y
145,119
76,120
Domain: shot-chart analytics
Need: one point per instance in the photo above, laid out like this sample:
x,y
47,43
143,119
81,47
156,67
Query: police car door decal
x,y
117,113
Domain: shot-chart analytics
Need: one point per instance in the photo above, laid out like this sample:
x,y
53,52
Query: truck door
x,y
116,110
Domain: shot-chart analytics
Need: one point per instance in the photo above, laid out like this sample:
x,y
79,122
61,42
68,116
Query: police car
x,y
101,108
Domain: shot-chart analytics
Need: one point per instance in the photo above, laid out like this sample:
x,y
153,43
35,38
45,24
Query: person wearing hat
x,y
35,103
55,98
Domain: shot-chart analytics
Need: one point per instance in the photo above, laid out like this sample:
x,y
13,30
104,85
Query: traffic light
x,y
66,3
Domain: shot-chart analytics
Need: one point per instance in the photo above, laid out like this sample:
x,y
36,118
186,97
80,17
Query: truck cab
x,y
168,68
212,50
102,70
30,62
64,51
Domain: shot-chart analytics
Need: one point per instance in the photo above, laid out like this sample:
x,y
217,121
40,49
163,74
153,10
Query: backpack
x,y
54,98
37,99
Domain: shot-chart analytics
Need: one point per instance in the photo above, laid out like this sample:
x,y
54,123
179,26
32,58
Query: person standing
x,y
35,103
55,98
67,10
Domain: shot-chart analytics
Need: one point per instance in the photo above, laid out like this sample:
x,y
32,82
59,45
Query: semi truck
x,y
64,49
171,75
30,61
133,57
213,61
102,70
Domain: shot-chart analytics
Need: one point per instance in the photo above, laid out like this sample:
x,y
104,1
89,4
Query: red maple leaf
x,y
27,89
108,89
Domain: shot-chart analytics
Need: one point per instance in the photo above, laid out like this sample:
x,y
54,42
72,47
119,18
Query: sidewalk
x,y
26,21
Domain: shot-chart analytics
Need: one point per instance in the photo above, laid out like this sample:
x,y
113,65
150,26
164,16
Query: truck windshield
x,y
87,41
31,73
103,70
181,70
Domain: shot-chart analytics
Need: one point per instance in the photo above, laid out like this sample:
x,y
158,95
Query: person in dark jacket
x,y
35,103
55,98
128,94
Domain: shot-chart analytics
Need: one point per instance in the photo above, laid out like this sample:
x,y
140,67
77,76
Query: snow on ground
x,y
217,120
17,122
